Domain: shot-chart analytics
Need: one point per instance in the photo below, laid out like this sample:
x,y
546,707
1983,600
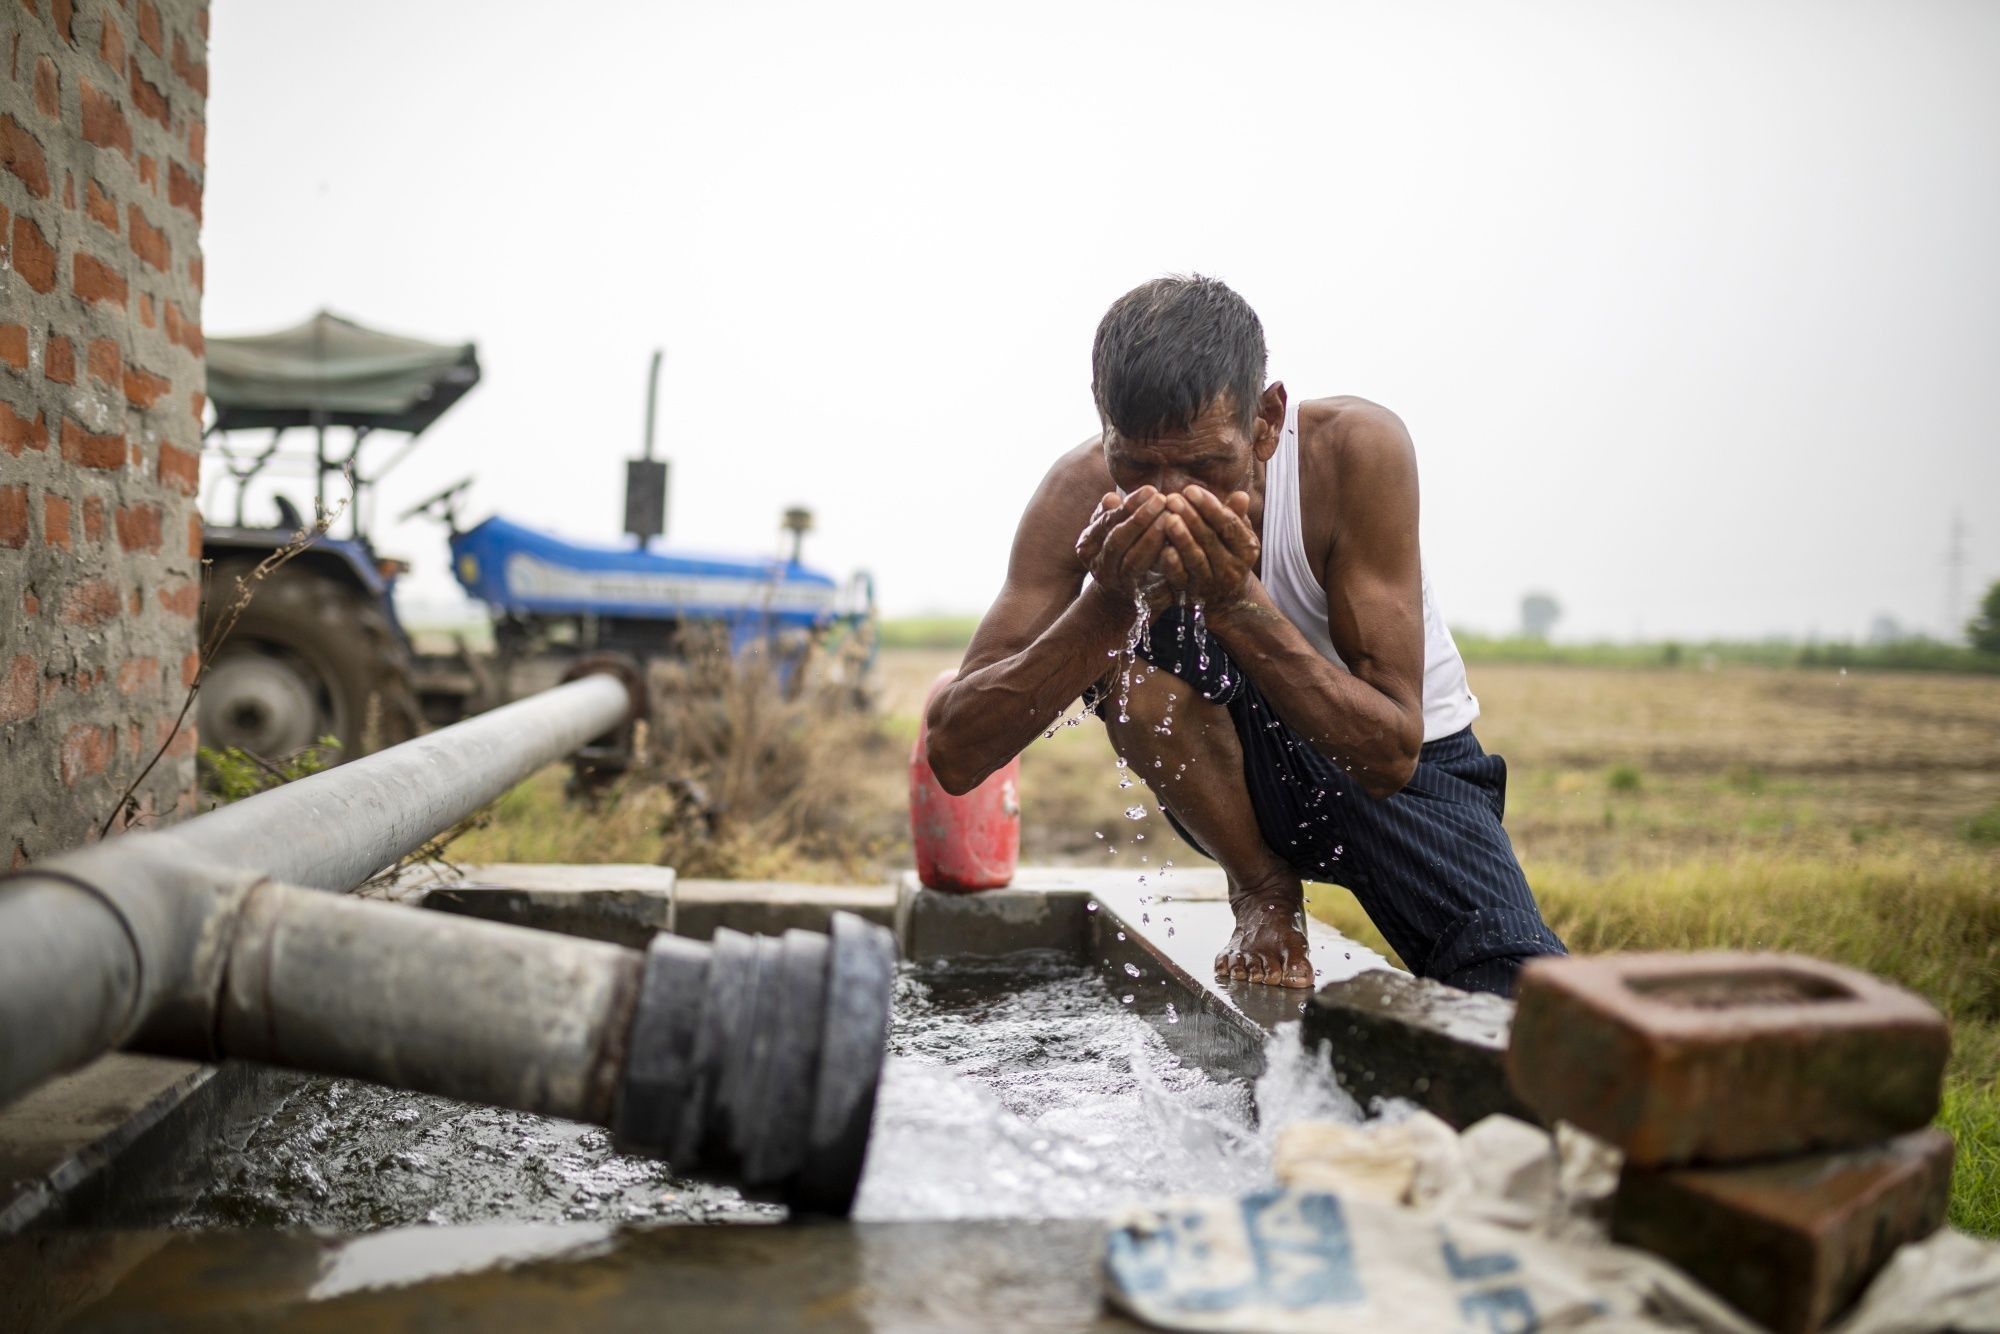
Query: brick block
x,y
98,206
22,153
1790,1243
104,360
111,44
59,360
14,345
147,99
57,520
183,190
149,27
138,527
143,388
104,122
34,257
20,690
48,88
179,468
1724,1057
149,242
18,433
86,752
13,516
95,280
88,450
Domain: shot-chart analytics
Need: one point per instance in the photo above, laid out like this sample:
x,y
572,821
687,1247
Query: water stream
x,y
1015,1087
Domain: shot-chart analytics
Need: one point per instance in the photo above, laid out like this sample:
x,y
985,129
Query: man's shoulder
x,y
1348,434
1078,475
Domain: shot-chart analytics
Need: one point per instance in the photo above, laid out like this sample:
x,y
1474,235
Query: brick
x,y
149,242
94,280
99,207
48,88
59,360
18,433
14,345
149,27
87,449
190,670
138,527
181,331
175,744
188,70
20,690
31,606
22,153
194,535
69,191
198,273
104,361
1790,1243
138,674
34,257
143,388
90,602
104,122
149,172
111,45
147,99
57,516
86,752
179,468
1722,1057
93,519
61,14
183,599
146,316
183,190
198,137
14,516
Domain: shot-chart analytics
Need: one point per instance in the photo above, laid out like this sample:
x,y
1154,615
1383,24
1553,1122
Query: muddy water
x,y
1015,1087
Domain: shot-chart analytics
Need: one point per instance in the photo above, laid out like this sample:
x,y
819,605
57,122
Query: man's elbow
x,y
1394,771
945,753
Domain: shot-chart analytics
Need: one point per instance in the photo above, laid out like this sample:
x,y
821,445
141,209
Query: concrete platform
x,y
623,902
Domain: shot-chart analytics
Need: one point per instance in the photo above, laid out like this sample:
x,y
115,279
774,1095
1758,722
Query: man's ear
x,y
1270,420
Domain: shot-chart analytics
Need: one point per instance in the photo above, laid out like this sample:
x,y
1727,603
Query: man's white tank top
x,y
1449,705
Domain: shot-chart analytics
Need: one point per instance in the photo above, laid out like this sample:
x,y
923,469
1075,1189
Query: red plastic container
x,y
963,843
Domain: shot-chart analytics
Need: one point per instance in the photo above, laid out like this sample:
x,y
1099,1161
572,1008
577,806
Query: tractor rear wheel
x,y
309,657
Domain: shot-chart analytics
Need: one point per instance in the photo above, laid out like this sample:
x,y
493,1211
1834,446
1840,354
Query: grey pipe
x,y
332,830
121,941
479,1011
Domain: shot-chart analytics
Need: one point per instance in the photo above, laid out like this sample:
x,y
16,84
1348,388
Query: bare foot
x,y
1269,943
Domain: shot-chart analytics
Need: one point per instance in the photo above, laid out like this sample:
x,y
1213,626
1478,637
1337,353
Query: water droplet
x,y
1173,1015
1132,970
1127,998
1090,906
1135,812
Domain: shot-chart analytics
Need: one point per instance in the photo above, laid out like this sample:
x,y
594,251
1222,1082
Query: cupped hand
x,y
1211,550
1122,543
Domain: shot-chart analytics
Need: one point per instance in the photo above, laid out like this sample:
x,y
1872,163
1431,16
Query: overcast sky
x,y
1692,309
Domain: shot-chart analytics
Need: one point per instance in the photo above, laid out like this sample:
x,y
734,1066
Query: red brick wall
x,y
101,374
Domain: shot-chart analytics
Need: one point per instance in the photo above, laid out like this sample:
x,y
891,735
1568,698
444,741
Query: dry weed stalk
x,y
323,519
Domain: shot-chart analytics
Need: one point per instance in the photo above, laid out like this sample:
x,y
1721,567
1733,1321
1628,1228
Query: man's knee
x,y
1151,702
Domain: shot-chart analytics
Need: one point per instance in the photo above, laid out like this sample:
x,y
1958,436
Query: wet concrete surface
x,y
985,1275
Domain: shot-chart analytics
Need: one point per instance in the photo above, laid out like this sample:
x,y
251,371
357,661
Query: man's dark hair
x,y
1168,348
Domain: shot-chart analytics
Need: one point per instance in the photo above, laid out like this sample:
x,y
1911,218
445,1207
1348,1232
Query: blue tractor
x,y
313,647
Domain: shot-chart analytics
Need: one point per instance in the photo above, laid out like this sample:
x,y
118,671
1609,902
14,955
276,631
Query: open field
x,y
1851,816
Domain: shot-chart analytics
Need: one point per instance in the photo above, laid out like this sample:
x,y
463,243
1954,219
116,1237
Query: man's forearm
x,y
1340,715
986,717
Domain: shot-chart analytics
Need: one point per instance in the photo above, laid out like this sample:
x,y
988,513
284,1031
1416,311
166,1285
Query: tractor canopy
x,y
331,371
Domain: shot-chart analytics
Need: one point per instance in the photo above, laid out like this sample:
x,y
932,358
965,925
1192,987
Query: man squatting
x,y
1323,730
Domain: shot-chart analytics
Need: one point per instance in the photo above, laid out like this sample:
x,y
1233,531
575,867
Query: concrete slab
x,y
625,903
105,1142
1041,909
772,907
1391,1035
1157,941
1040,1275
